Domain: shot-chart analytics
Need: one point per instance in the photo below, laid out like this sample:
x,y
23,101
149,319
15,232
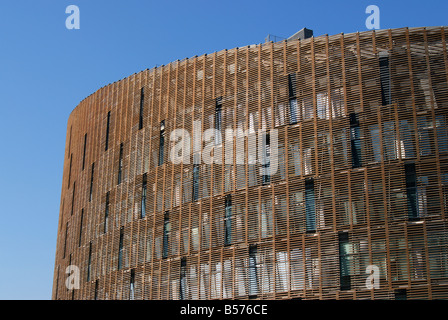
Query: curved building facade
x,y
312,169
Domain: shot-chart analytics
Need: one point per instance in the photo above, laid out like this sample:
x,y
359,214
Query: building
x,y
331,184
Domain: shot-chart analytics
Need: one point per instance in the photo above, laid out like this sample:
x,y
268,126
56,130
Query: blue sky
x,y
46,70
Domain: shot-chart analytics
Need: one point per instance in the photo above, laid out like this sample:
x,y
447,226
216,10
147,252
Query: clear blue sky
x,y
46,70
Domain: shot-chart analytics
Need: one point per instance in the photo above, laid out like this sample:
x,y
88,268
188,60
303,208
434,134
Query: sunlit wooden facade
x,y
362,176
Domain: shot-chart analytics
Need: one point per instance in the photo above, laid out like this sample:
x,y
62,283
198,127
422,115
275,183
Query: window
x,y
132,285
84,152
390,145
293,114
89,262
91,182
120,164
406,144
375,142
142,101
293,110
292,85
166,233
400,294
96,290
161,142
355,140
183,279
253,277
106,213
107,131
143,203
228,220
386,97
442,133
73,197
80,227
310,206
411,190
120,249
218,119
195,192
266,177
344,261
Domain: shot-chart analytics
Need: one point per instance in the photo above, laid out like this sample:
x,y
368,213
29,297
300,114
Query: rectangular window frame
x,y
228,220
120,165
310,206
107,131
142,102
161,143
120,249
166,235
344,261
143,200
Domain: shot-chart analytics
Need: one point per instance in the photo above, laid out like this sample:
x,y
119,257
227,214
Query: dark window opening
x,y
96,290
107,131
120,249
162,142
293,116
106,213
142,101
218,119
292,85
195,192
310,206
411,190
253,276
166,234
400,294
73,197
143,203
344,261
183,279
355,140
132,285
266,161
386,97
91,182
89,262
120,164
80,227
84,152
228,220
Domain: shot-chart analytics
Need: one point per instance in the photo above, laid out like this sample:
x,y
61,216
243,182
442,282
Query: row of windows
x,y
295,116
347,254
416,209
385,87
405,145
416,199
